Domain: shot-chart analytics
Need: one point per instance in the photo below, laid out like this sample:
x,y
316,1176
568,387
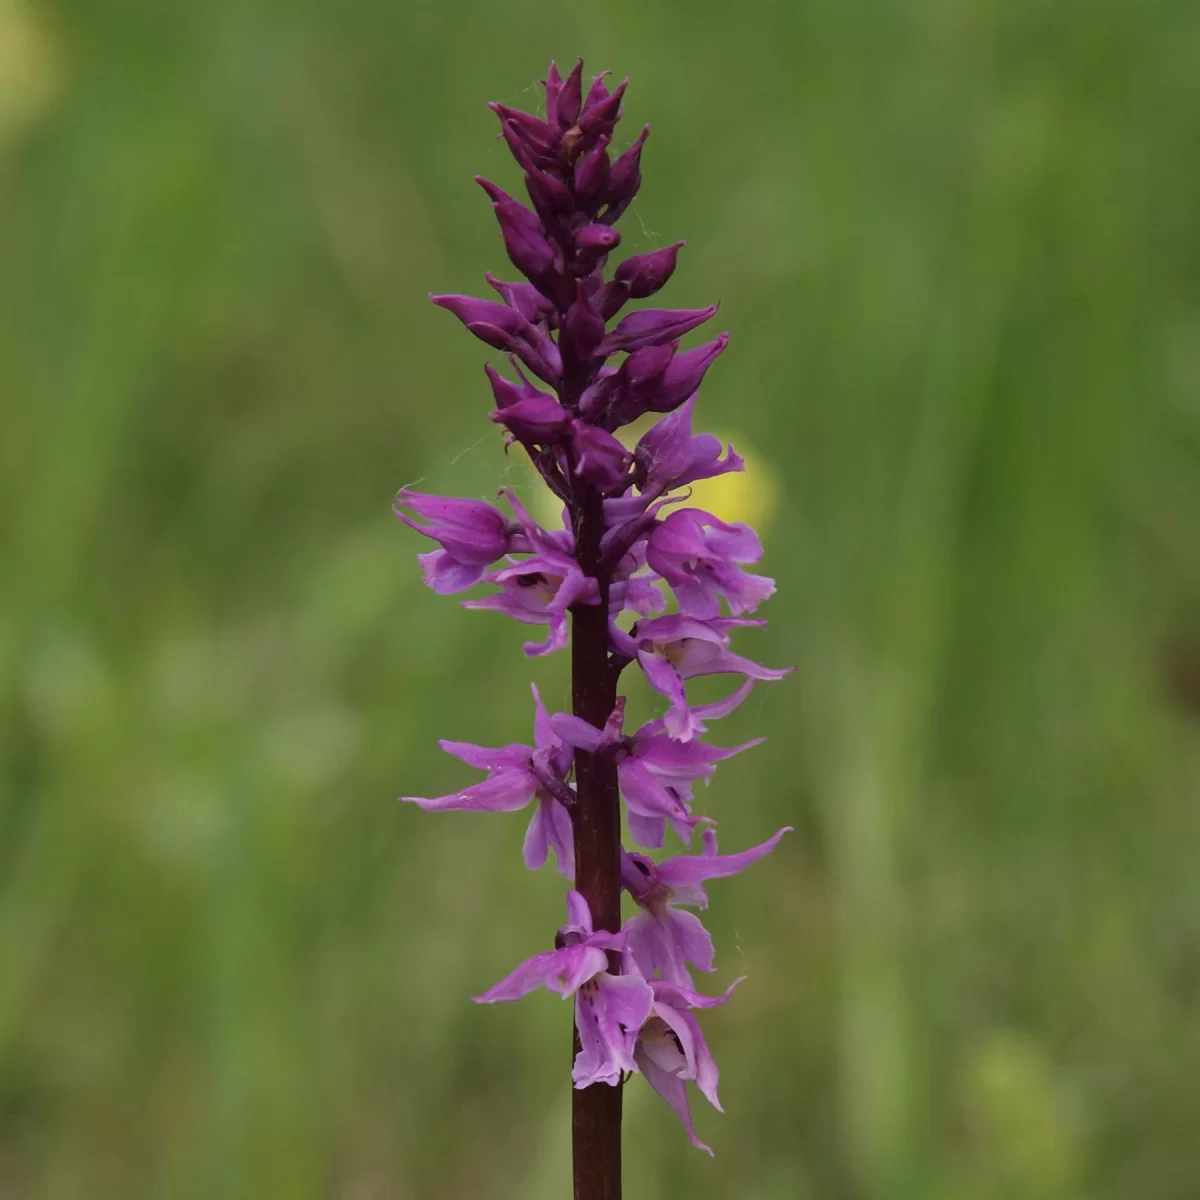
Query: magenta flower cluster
x,y
672,578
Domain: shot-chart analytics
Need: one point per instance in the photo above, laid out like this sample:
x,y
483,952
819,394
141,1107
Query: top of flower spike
x,y
572,142
556,324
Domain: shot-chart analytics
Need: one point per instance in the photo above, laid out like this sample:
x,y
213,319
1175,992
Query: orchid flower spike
x,y
634,580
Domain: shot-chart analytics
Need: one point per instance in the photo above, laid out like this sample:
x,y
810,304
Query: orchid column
x,y
604,581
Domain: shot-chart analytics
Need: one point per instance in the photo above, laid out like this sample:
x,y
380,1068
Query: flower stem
x,y
596,1111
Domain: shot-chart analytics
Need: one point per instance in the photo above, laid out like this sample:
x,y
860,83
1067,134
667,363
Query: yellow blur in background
x,y
955,246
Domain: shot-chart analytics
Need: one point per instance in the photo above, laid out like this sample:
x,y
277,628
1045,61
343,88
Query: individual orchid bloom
x,y
700,556
674,648
650,804
671,1051
538,591
654,771
472,534
516,775
662,939
609,1009
669,455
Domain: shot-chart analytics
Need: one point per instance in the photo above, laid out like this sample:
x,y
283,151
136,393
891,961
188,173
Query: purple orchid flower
x,y
699,556
671,1051
609,1009
516,775
669,455
538,591
649,803
662,939
472,534
654,771
674,648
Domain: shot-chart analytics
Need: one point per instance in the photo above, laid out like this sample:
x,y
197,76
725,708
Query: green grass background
x,y
958,249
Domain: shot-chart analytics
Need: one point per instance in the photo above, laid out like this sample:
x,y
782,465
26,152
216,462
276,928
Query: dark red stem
x,y
596,816
595,1111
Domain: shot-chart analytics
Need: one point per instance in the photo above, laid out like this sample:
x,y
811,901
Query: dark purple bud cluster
x,y
556,323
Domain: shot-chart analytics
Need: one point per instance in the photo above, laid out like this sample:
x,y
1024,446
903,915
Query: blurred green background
x,y
958,247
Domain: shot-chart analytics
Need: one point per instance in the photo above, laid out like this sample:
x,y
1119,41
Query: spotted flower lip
x,y
516,775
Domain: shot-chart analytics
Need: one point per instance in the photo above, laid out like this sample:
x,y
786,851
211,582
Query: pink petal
x,y
698,596
691,940
672,1089
578,912
665,680
701,1066
531,974
608,1016
550,829
575,731
510,606
446,575
706,712
504,792
663,945
695,868
578,964
543,734
489,758
645,795
650,832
